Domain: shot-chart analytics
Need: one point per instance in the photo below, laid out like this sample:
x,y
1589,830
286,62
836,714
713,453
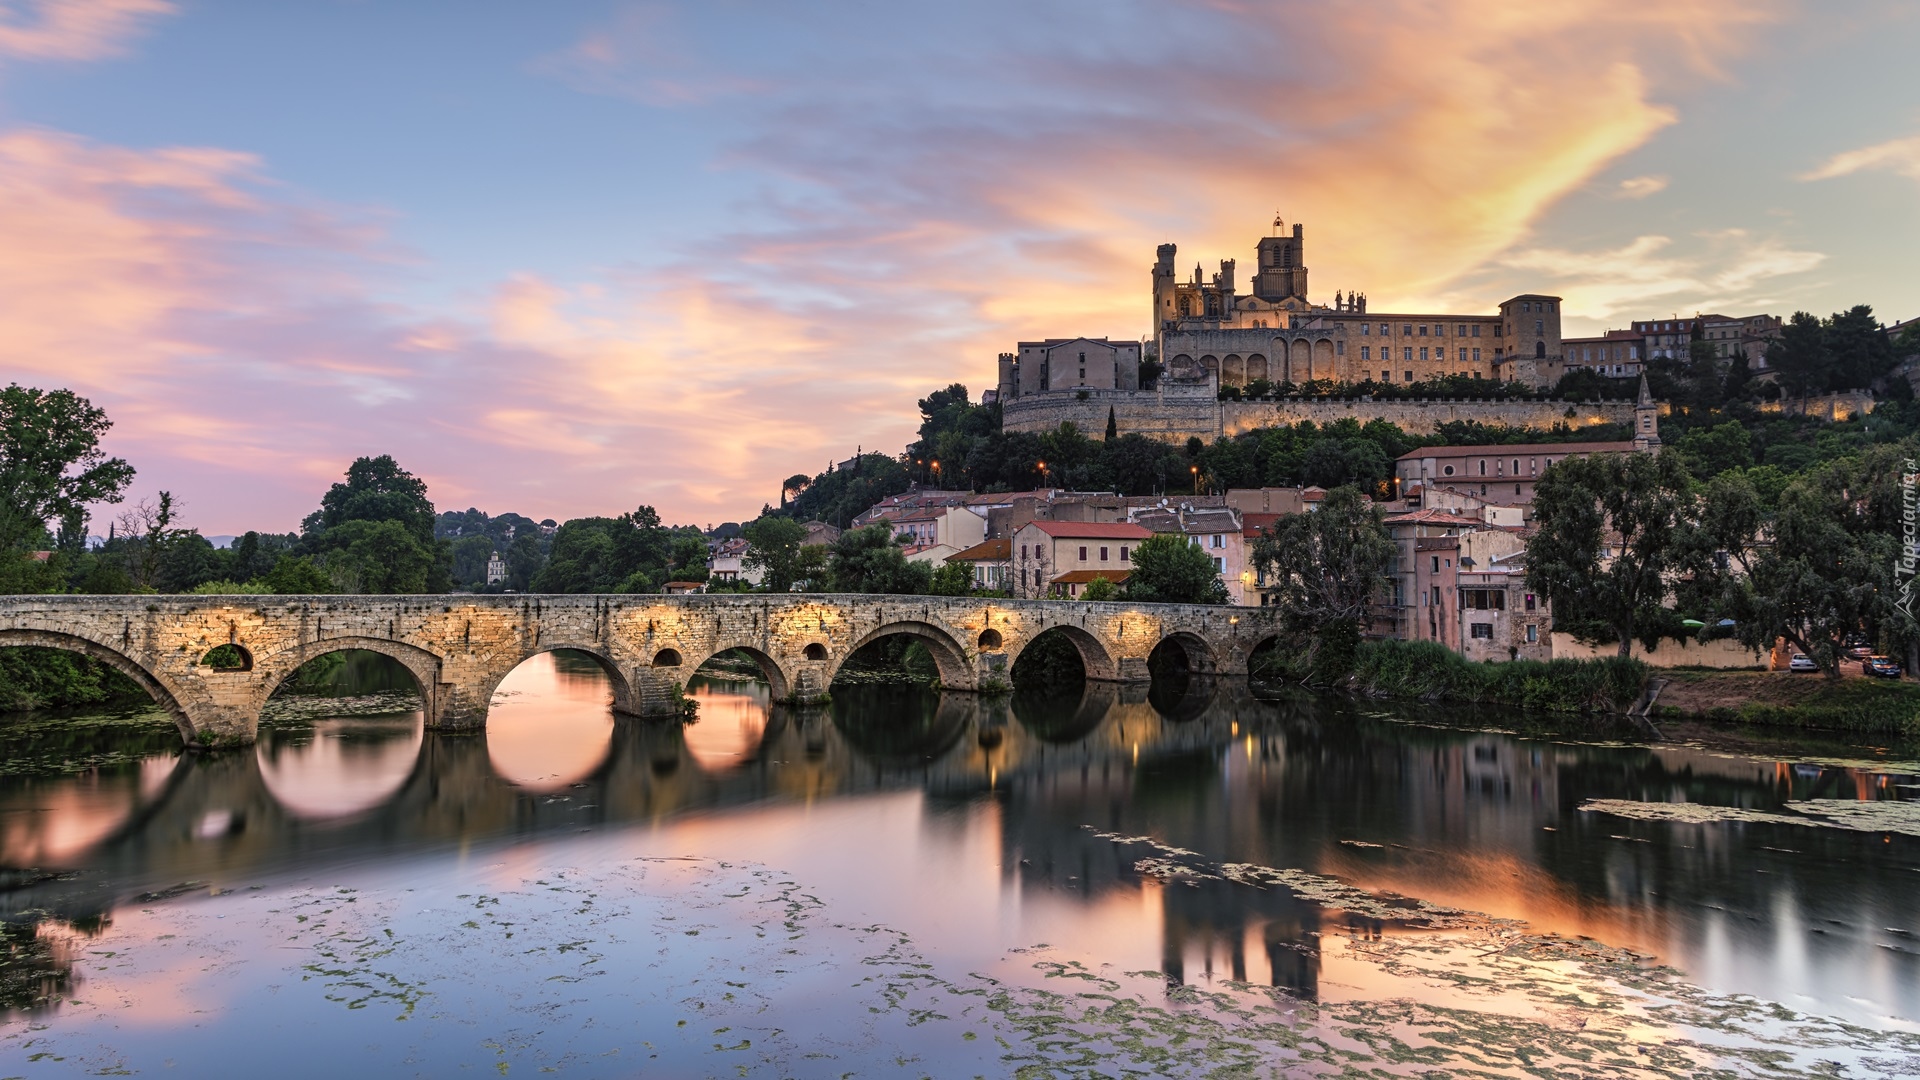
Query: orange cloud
x,y
1901,156
72,29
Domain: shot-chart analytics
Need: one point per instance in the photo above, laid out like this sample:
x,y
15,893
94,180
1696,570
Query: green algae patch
x,y
1878,816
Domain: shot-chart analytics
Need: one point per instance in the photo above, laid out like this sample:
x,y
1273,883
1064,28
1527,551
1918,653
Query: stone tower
x,y
1281,272
1165,288
1646,419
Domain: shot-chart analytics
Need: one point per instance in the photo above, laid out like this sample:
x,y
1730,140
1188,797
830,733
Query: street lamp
x,y
1195,470
1043,472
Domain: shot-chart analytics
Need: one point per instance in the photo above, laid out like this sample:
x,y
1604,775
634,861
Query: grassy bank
x,y
1427,671
1779,699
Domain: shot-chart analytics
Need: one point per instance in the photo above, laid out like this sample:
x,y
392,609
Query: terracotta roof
x,y
1433,516
1082,577
990,551
1511,449
1254,523
1093,530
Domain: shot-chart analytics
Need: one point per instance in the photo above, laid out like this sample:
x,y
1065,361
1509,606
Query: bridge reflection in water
x,y
1483,820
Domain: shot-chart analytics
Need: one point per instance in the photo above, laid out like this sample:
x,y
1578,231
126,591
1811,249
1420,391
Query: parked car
x,y
1802,662
1882,666
1860,652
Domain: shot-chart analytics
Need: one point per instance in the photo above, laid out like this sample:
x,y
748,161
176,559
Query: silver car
x,y
1802,662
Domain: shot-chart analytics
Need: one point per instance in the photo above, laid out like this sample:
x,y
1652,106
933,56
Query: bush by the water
x,y
37,678
1429,671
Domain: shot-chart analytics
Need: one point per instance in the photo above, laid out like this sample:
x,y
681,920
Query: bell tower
x,y
1280,271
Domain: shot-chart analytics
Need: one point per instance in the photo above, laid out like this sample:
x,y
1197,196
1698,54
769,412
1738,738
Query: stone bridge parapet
x,y
459,647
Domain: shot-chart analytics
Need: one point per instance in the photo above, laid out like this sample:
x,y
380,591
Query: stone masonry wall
x,y
1177,412
460,647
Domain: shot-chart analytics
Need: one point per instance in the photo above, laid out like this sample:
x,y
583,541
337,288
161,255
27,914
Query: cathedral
x,y
1206,330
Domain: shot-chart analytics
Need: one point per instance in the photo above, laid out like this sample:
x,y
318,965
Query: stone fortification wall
x,y
1422,417
1176,413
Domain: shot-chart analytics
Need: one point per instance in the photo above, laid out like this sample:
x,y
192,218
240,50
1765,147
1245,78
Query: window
x,y
1434,599
1440,353
1366,329
1406,354
1123,554
1386,376
1482,630
1448,470
1103,554
1516,489
1476,329
1406,329
1423,354
1219,566
1476,356
1083,554
1423,331
1533,634
1219,541
1529,601
1483,470
1385,331
1340,347
1023,551
1539,326
1409,374
1436,564
1366,352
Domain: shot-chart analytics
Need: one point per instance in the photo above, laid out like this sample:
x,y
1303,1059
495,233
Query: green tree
x,y
296,575
374,532
773,548
870,561
1823,568
951,579
1326,570
382,557
1100,589
687,558
1711,451
1605,539
51,464
470,557
525,558
1800,356
1167,569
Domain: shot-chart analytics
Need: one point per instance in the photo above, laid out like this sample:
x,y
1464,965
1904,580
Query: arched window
x,y
1539,350
667,658
816,651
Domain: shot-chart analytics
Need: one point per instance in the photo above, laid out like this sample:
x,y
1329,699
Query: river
x,y
1188,880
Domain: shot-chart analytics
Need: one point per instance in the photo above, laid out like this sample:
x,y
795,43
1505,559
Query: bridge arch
x,y
161,692
956,669
770,668
274,669
1187,651
1094,656
623,698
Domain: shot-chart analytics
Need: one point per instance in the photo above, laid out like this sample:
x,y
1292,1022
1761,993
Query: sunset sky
x,y
567,258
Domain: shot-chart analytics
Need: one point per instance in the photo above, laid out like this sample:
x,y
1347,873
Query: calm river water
x,y
1191,881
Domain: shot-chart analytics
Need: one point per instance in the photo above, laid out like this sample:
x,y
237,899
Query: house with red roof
x,y
1046,554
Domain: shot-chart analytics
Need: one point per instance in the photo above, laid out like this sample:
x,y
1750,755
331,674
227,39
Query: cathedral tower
x,y
1282,270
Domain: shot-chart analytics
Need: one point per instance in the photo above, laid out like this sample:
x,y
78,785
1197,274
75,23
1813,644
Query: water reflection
x,y
1016,793
549,722
732,719
341,765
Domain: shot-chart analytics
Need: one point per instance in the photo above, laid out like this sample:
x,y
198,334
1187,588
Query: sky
x,y
570,258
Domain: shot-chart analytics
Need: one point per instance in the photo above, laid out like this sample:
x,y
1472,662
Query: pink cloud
x,y
917,219
73,29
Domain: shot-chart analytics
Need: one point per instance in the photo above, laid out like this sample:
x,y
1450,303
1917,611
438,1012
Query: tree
x,y
1326,568
773,548
1100,589
870,561
952,579
1823,568
1859,347
296,575
1801,356
374,533
1167,569
51,464
471,554
1113,426
525,557
148,536
1604,540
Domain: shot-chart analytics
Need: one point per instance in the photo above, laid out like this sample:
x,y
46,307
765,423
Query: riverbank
x,y
1429,671
1780,699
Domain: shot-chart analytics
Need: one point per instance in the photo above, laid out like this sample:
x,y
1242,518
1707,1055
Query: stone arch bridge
x,y
459,648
